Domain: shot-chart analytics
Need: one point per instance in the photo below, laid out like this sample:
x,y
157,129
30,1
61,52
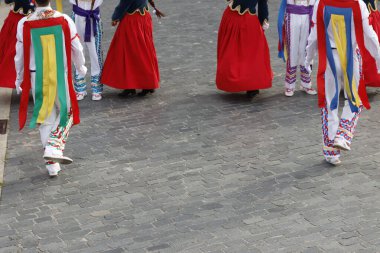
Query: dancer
x,y
293,29
243,52
86,15
19,9
46,42
131,61
371,77
339,28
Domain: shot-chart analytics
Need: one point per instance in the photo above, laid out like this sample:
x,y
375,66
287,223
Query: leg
x,y
58,136
347,126
96,57
292,44
304,34
330,118
349,119
79,82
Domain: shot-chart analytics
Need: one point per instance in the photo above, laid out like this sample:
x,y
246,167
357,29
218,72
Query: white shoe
x,y
341,144
81,95
309,91
96,96
333,160
53,169
289,92
56,156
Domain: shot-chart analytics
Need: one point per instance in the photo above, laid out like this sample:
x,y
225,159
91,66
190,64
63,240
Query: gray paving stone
x,y
191,169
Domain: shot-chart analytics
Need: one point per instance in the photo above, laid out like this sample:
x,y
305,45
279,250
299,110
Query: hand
x,y
18,90
308,67
158,13
82,71
115,22
265,25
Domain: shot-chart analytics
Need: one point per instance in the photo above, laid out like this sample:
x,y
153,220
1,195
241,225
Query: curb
x,y
5,104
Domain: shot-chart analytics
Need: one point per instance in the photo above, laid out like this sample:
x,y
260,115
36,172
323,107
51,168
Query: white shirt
x,y
76,47
370,38
86,4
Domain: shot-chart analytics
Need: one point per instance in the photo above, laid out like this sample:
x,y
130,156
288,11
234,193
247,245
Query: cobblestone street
x,y
191,169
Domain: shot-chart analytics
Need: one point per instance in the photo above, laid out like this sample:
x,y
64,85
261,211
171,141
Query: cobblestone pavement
x,y
191,169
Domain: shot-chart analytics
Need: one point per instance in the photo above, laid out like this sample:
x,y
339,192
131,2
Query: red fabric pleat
x,y
131,62
8,50
371,77
322,55
26,84
243,54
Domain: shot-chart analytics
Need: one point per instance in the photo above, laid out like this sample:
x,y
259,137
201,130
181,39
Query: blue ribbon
x,y
280,24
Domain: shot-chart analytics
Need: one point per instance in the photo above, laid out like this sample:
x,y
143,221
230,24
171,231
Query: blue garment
x,y
263,12
22,6
129,6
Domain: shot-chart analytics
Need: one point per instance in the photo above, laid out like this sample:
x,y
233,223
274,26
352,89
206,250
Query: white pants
x,y
51,133
333,126
94,48
297,29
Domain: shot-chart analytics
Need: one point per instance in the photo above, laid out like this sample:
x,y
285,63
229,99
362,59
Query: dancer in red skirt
x,y
19,9
243,52
371,77
131,61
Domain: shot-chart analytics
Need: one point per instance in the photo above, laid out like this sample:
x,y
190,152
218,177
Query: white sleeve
x,y
371,40
312,42
19,58
76,49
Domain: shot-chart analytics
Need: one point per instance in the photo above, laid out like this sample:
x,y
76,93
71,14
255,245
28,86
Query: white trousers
x,y
51,133
297,29
95,52
333,125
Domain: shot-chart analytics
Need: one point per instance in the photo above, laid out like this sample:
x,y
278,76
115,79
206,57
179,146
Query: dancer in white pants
x,y
339,68
43,66
86,15
294,27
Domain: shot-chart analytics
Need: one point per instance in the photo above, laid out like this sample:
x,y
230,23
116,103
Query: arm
x,y
263,11
120,10
76,49
312,42
371,40
19,58
156,11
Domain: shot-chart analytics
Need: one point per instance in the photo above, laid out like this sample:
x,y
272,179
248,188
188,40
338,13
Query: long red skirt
x,y
8,50
131,61
371,77
243,54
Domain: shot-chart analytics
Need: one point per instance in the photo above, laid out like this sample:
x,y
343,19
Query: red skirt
x,y
243,54
371,77
8,50
131,61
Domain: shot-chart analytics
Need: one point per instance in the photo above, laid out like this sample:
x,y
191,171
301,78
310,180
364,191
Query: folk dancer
x,y
19,9
340,27
243,60
86,15
293,29
131,62
47,41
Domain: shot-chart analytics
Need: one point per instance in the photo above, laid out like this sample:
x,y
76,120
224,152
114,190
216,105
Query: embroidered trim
x,y
371,8
145,10
238,8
